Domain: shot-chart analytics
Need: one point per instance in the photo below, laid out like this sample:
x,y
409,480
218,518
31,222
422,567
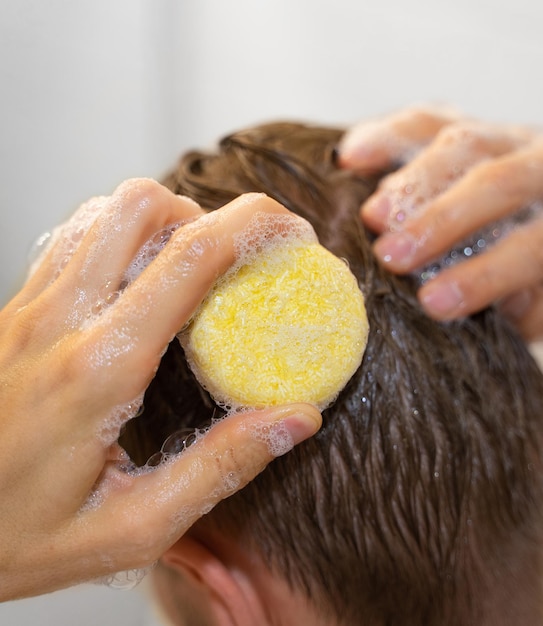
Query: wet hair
x,y
421,493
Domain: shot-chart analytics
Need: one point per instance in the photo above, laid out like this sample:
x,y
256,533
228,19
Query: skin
x,y
456,176
207,579
68,512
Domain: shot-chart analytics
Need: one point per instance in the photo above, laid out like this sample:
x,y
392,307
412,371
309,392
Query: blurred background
x,y
93,92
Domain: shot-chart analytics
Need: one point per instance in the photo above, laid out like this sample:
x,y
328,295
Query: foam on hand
x,y
286,324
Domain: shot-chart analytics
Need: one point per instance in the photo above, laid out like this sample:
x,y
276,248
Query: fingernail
x,y
347,145
442,300
301,420
354,148
377,209
284,427
396,249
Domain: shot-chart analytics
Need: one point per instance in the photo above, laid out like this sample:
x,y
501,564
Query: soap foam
x,y
66,238
106,215
411,189
148,252
125,580
276,437
172,447
483,240
110,428
268,231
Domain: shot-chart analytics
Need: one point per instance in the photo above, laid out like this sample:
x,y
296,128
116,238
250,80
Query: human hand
x,y
78,346
458,180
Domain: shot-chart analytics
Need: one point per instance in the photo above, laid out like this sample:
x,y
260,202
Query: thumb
x,y
139,521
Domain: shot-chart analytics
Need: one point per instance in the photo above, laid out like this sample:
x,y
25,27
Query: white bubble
x,y
110,428
127,579
149,251
65,239
269,230
276,437
232,482
180,440
481,241
38,248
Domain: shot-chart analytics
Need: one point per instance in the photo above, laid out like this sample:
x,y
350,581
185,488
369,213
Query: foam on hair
x,y
287,323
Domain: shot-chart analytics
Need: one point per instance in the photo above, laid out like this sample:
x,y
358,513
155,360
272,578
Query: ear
x,y
230,592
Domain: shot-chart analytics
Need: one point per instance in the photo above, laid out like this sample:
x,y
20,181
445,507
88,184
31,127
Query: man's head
x,y
419,501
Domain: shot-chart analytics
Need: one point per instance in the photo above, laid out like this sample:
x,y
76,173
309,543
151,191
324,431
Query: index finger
x,y
128,339
380,144
95,245
491,191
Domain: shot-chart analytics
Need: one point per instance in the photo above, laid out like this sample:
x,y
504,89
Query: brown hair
x,y
422,489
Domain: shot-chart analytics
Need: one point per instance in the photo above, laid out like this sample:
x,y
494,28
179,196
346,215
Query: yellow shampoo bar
x,y
288,326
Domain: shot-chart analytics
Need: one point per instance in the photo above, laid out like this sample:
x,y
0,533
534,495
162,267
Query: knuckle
x,y
213,229
21,329
192,244
391,182
140,195
229,465
237,453
467,135
423,114
71,364
218,448
30,330
228,468
261,202
407,190
497,175
402,185
442,221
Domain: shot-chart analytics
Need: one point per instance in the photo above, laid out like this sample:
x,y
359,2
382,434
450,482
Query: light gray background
x,y
96,91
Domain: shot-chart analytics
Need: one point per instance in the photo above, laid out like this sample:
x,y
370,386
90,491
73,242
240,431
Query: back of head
x,y
419,500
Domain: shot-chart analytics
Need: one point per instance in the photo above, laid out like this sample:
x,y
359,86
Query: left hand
x,y
458,175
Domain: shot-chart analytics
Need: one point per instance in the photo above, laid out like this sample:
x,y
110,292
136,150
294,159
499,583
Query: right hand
x,y
77,350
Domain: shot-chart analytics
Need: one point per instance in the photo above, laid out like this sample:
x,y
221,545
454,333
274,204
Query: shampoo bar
x,y
288,326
